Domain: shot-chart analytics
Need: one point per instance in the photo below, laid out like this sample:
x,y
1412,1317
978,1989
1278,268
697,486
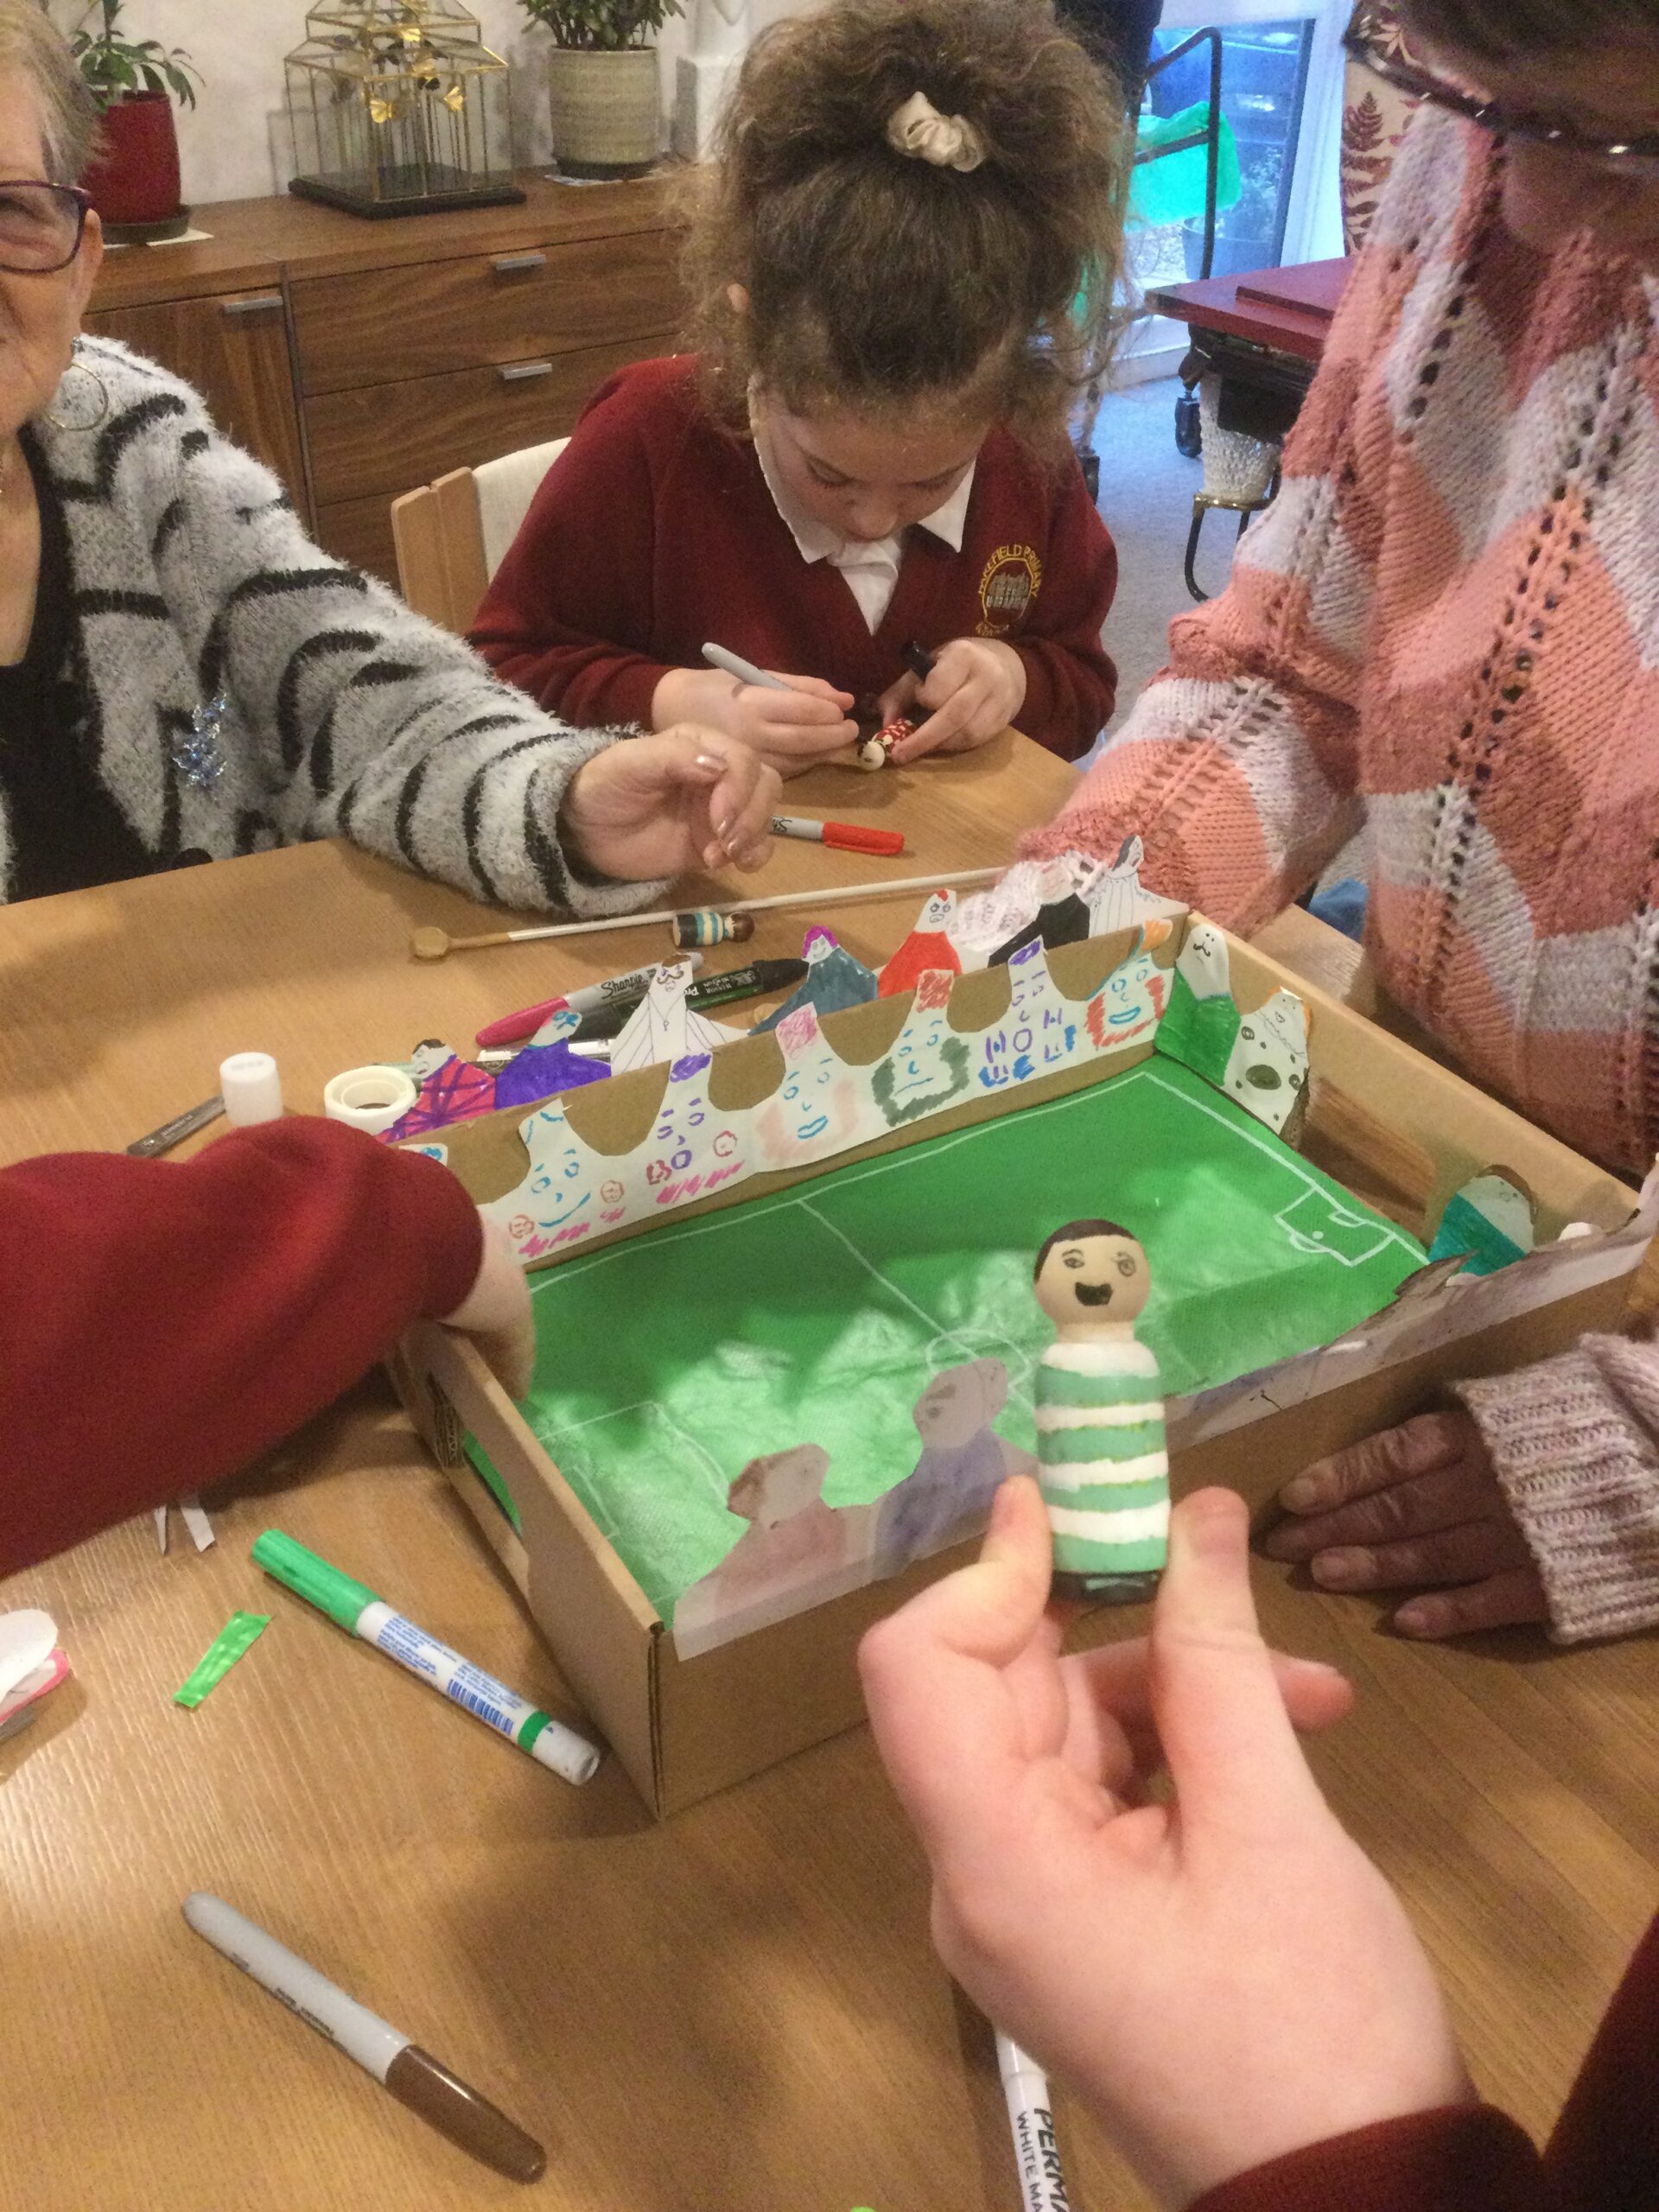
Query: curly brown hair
x,y
1508,30
876,281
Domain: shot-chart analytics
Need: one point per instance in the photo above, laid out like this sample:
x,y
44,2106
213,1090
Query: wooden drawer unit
x,y
390,438
360,359
233,349
387,325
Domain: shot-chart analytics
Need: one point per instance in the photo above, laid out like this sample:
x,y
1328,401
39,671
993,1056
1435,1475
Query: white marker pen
x,y
360,1614
1036,2154
413,2075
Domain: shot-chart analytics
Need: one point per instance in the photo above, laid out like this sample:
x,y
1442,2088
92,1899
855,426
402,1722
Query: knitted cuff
x,y
1579,1467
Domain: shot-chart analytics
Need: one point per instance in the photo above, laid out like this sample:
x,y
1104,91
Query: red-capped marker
x,y
846,837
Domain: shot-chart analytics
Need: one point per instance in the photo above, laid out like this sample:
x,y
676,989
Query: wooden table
x,y
735,2013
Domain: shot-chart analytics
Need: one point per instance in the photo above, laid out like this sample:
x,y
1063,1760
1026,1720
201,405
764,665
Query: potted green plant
x,y
133,176
602,82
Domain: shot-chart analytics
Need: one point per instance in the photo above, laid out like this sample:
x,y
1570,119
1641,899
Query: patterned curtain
x,y
1373,119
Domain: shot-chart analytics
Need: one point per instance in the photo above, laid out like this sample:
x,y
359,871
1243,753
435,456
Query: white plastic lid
x,y
252,1089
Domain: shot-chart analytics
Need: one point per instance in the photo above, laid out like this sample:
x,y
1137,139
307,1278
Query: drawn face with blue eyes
x,y
1127,1006
557,1202
928,1066
814,1111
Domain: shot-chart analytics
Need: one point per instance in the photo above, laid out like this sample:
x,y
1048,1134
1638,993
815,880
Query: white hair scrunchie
x,y
948,142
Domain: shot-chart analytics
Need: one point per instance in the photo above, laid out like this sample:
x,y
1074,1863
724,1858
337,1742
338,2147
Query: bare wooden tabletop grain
x,y
738,2012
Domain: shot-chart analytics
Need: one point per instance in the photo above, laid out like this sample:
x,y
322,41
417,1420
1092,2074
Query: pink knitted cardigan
x,y
1452,614
1449,621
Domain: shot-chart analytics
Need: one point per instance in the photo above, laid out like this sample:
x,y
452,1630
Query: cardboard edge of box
x,y
684,1728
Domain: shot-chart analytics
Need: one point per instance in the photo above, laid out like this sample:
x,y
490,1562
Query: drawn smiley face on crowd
x,y
1091,1275
927,1067
1127,1003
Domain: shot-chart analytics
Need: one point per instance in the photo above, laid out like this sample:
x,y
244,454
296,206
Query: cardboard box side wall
x,y
684,1729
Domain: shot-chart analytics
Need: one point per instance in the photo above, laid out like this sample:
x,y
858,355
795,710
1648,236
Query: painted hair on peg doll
x,y
915,203
1101,1462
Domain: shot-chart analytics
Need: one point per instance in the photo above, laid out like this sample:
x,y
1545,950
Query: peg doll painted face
x,y
1091,1276
1102,1463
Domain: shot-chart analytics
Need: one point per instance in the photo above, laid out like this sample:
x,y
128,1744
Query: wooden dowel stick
x,y
434,944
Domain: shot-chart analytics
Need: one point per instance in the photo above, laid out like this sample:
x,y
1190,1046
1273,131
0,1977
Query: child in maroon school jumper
x,y
870,448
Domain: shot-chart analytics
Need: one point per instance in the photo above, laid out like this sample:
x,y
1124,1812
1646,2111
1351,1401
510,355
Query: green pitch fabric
x,y
668,1362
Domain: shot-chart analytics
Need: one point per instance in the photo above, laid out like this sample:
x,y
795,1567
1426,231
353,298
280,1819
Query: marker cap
x,y
312,1579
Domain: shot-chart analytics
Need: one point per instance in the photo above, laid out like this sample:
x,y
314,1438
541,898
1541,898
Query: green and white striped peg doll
x,y
1100,1461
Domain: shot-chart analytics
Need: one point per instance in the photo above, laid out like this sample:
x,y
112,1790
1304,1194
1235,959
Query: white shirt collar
x,y
817,542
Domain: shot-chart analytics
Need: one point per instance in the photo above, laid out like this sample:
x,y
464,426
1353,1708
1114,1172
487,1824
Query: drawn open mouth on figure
x,y
1093,1294
813,1128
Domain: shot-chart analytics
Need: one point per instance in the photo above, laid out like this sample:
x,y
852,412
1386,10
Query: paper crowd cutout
x,y
1492,1219
799,1551
1056,902
823,1105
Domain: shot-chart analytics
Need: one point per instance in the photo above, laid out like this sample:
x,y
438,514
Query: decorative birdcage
x,y
398,107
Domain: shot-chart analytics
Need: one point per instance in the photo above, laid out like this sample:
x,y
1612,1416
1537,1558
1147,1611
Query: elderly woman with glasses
x,y
1452,614
184,675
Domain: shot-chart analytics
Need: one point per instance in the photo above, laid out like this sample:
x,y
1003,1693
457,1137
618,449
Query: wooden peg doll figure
x,y
1101,1461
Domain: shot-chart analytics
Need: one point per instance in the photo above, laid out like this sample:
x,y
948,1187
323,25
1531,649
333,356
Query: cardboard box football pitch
x,y
1390,1127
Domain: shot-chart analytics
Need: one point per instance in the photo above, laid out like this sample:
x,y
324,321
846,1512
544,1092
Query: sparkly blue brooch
x,y
196,752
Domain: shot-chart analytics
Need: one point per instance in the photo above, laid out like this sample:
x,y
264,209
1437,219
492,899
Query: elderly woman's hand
x,y
665,805
1416,1508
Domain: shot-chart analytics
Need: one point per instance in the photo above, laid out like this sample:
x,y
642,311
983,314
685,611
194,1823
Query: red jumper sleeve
x,y
1461,2158
568,610
161,1324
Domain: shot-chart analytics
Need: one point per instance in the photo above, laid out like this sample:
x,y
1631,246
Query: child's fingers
x,y
1117,1677
955,717
1226,1736
948,1727
898,698
813,687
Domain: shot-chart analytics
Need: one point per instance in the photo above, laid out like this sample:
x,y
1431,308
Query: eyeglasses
x,y
1373,39
40,226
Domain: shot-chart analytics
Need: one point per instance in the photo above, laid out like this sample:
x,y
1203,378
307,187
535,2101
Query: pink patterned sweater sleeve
x,y
1575,1441
1237,767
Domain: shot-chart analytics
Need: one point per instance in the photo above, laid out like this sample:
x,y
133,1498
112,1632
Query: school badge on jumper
x,y
1012,579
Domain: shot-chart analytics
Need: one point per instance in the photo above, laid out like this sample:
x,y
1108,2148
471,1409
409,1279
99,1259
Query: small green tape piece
x,y
493,1480
221,1654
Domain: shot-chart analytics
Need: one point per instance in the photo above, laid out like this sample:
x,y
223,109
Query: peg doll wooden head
x,y
1091,1279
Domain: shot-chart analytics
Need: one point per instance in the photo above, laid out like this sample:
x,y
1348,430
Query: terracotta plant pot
x,y
134,175
607,111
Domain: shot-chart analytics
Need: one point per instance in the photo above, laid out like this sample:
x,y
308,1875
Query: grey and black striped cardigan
x,y
200,605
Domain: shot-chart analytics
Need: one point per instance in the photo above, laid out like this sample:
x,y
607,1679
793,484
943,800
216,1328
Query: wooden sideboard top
x,y
255,243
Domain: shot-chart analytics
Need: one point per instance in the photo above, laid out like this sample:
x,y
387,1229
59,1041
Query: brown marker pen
x,y
413,2075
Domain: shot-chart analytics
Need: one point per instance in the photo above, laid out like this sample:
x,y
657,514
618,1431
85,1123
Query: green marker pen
x,y
360,1614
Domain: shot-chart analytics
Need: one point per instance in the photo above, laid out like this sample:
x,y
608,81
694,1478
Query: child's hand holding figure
x,y
1225,1975
976,688
790,729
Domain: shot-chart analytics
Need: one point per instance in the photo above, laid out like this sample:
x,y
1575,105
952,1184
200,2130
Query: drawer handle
x,y
506,264
267,303
521,372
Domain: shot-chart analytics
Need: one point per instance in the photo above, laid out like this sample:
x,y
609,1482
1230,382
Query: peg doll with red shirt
x,y
868,451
